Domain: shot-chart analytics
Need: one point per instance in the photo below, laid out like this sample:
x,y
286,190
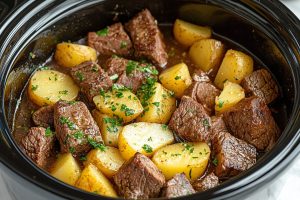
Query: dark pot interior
x,y
262,29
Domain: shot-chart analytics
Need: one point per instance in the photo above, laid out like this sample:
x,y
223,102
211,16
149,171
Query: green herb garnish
x,y
96,145
215,161
177,77
48,132
34,87
123,44
79,75
147,148
103,32
64,120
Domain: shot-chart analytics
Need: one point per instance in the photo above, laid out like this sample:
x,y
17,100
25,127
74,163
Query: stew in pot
x,y
139,112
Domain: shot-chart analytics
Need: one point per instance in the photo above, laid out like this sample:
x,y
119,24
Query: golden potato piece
x,y
66,169
70,55
143,137
92,180
207,54
110,127
46,87
108,161
231,95
160,106
186,33
119,102
176,79
234,68
188,158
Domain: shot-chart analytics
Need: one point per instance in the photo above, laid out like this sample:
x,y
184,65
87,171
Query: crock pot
x,y
266,28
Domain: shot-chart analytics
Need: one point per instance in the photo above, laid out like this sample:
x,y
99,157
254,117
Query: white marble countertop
x,y
287,186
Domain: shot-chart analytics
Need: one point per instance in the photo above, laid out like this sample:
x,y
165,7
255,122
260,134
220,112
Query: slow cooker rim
x,y
291,155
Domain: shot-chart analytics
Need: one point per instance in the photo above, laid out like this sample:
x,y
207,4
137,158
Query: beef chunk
x,y
252,121
43,117
38,145
261,84
178,186
231,155
190,121
111,40
139,178
91,78
204,93
147,38
200,76
131,74
207,182
218,124
75,127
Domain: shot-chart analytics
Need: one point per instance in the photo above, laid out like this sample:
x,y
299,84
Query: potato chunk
x,y
176,79
188,158
186,33
70,55
92,180
231,95
207,54
46,87
159,108
108,161
235,67
110,127
143,137
120,102
66,169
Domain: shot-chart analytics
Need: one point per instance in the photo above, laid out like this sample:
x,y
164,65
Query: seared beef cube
x,y
190,121
252,121
200,76
111,40
139,178
75,127
91,78
204,93
218,124
131,74
43,117
147,38
205,183
231,155
178,186
261,84
38,145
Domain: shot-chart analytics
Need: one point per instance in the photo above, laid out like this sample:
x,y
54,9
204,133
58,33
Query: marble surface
x,y
287,186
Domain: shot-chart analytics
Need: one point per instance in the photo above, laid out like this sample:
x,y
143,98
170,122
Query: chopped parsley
x,y
102,92
79,75
123,45
72,102
113,124
150,139
128,111
146,91
72,150
44,68
34,87
131,66
95,68
65,92
96,145
164,126
32,55
147,148
188,147
177,77
64,120
146,68
220,103
103,32
113,108
48,132
205,123
156,104
215,161
78,135
83,158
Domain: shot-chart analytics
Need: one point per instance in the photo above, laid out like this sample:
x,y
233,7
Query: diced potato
x,y
108,161
66,169
186,33
231,95
110,127
188,158
143,137
121,103
207,54
176,79
92,180
160,106
70,55
46,87
235,67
